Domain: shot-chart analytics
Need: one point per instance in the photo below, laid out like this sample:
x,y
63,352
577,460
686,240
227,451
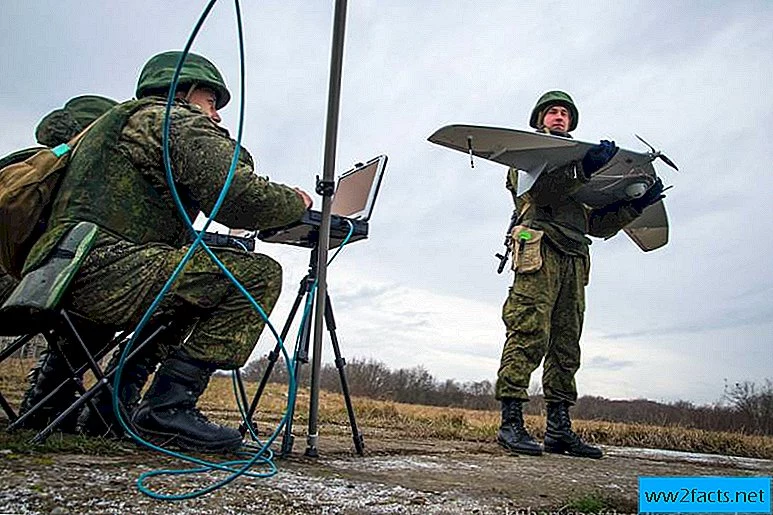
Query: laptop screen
x,y
357,189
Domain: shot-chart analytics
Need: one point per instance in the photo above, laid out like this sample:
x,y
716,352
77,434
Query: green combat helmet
x,y
61,125
158,72
554,98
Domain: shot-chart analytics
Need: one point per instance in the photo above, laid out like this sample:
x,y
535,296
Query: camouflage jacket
x,y
116,179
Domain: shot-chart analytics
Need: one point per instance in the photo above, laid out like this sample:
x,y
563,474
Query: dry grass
x,y
407,421
418,422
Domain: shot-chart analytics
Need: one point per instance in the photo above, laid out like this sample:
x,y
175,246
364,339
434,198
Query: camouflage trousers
x,y
543,316
119,280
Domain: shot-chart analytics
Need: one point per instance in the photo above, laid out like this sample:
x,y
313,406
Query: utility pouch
x,y
527,251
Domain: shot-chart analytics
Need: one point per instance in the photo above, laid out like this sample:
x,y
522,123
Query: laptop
x,y
353,201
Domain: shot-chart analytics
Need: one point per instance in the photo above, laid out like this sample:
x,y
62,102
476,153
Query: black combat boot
x,y
559,437
133,378
168,413
48,373
512,434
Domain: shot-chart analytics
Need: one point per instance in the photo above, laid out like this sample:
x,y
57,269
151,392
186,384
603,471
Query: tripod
x,y
306,291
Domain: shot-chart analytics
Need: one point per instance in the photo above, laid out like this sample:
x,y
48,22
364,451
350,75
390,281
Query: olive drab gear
x,y
61,125
158,72
19,156
26,190
554,98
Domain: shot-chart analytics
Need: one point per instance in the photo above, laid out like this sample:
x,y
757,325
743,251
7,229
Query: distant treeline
x,y
744,408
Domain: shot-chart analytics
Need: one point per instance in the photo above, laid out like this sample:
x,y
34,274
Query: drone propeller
x,y
658,154
668,161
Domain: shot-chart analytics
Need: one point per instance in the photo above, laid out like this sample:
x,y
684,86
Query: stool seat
x,y
33,304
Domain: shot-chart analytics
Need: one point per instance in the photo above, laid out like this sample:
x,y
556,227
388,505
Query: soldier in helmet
x,y
116,180
543,313
56,128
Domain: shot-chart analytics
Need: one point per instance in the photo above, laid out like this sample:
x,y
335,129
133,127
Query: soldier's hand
x,y
652,195
305,197
597,156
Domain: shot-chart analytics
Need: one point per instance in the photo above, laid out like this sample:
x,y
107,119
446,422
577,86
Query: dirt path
x,y
396,476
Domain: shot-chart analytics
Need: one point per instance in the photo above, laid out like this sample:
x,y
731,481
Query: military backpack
x,y
27,187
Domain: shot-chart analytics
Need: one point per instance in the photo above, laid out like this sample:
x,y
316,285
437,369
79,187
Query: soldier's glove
x,y
652,195
597,156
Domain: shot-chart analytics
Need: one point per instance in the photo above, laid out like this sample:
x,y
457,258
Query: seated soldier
x,y
116,179
56,128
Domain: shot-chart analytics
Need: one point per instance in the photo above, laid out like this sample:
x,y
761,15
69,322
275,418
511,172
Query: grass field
x,y
405,421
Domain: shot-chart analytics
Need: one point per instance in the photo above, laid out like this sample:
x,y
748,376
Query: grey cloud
x,y
607,364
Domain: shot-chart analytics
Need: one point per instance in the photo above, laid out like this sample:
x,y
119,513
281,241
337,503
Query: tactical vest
x,y
565,223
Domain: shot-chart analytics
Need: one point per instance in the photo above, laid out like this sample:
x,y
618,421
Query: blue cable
x,y
246,465
264,454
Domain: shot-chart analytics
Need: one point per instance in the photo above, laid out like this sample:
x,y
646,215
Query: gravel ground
x,y
395,476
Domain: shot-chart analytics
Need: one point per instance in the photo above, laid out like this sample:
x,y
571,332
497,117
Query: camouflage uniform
x,y
543,313
117,180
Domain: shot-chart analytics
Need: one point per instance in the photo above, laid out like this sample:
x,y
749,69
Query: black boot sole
x,y
561,448
162,439
518,450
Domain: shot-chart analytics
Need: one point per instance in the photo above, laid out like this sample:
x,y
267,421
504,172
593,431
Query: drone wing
x,y
627,175
530,152
650,230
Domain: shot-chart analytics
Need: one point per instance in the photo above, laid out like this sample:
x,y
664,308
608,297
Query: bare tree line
x,y
369,378
745,407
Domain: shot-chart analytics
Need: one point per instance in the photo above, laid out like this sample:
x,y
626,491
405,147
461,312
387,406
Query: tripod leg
x,y
301,357
273,356
340,363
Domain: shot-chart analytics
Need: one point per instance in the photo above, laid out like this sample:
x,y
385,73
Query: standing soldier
x,y
543,313
117,180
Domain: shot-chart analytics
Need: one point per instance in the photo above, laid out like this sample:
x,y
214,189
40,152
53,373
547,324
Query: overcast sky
x,y
693,78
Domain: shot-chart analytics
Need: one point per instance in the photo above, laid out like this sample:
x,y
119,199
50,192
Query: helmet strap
x,y
191,89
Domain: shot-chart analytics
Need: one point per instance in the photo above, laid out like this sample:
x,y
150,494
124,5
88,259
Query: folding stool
x,y
76,370
33,308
